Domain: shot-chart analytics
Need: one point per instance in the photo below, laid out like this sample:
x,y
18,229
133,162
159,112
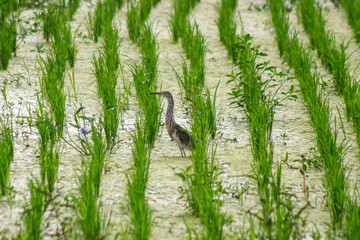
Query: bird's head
x,y
166,94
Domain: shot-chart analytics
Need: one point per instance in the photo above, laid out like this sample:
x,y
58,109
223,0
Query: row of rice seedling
x,y
49,149
8,31
137,179
333,58
72,6
148,119
178,19
92,220
352,9
6,155
50,124
192,80
193,43
331,154
277,218
202,189
136,15
227,26
42,190
101,17
52,85
7,8
106,70
55,16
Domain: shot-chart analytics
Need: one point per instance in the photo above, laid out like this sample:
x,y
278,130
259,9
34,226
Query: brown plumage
x,y
182,138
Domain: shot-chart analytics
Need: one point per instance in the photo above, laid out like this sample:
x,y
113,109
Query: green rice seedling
x,y
352,8
178,19
149,53
87,207
119,3
49,155
133,21
193,79
96,21
227,26
106,81
212,117
352,217
110,47
103,15
65,42
333,57
137,180
7,8
106,73
145,78
137,13
34,211
193,43
97,153
8,37
52,85
318,107
148,104
280,21
6,155
90,217
50,19
202,187
72,7
277,218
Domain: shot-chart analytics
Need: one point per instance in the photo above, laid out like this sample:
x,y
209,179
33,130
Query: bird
x,y
177,133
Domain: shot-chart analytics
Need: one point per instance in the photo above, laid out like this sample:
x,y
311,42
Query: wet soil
x,y
292,132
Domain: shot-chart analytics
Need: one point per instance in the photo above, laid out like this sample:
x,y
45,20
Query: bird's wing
x,y
183,135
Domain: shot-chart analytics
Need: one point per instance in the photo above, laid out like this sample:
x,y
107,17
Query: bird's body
x,y
182,138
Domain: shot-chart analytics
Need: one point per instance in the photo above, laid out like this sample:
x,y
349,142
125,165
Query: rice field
x,y
270,100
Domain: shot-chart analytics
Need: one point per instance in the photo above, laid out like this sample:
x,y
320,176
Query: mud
x,y
292,132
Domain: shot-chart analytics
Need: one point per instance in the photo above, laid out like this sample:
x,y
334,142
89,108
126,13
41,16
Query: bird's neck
x,y
170,121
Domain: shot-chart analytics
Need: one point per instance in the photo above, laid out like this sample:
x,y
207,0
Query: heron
x,y
177,133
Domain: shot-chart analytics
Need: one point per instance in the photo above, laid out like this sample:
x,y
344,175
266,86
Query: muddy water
x,y
292,132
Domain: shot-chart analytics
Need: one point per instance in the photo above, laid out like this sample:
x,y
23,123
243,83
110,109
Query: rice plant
x,y
136,15
202,188
9,7
331,154
227,26
352,9
133,21
49,153
145,79
6,155
50,19
34,210
72,7
178,19
64,41
333,58
103,15
106,73
137,179
192,80
52,85
277,218
8,36
91,218
149,105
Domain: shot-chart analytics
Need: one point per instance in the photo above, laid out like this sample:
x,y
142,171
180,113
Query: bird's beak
x,y
157,93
